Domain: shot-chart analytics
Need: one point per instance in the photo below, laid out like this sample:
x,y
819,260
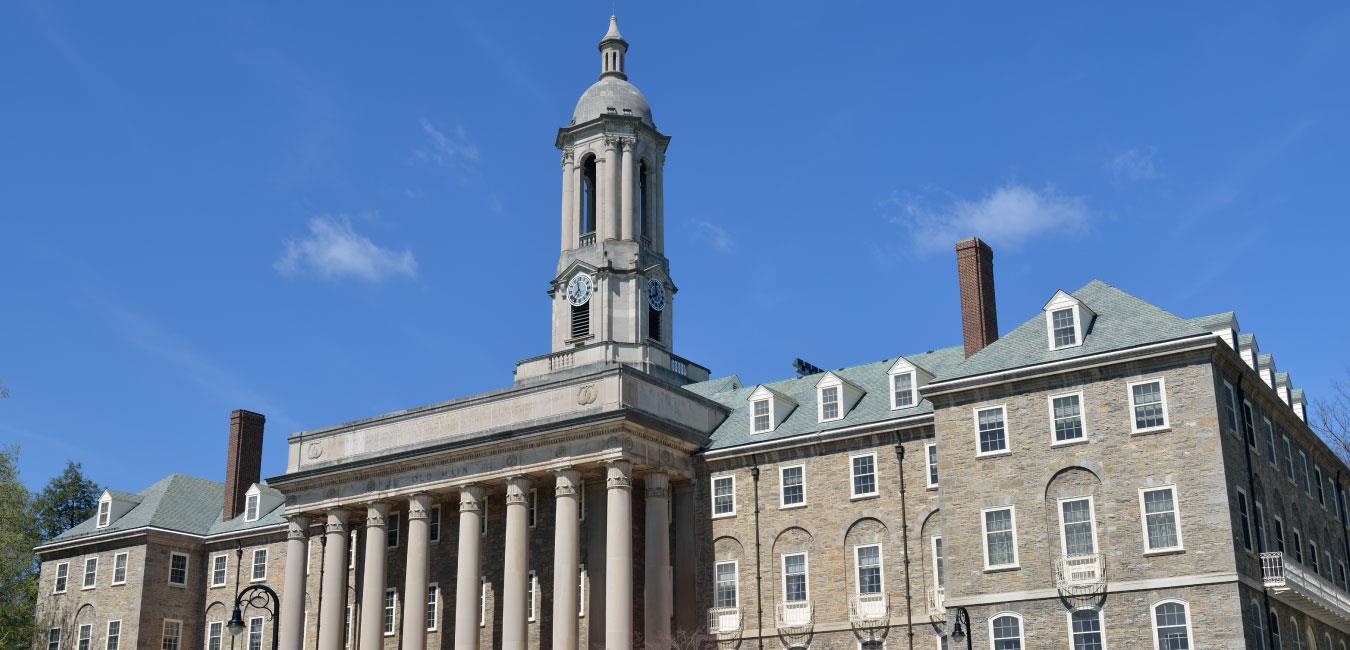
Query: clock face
x,y
656,294
579,289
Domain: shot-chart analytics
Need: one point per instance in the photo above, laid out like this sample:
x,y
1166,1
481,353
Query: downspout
x,y
904,533
759,578
1246,422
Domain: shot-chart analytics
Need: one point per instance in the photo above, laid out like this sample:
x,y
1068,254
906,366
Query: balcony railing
x,y
864,609
1303,588
1080,571
937,597
588,239
794,616
724,621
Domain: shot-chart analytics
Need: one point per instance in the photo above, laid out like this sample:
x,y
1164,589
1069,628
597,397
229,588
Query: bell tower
x,y
612,295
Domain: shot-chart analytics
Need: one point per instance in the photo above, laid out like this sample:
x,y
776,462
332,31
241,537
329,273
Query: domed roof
x,y
615,96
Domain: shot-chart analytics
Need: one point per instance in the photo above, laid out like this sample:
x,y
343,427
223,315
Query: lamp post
x,y
255,596
959,630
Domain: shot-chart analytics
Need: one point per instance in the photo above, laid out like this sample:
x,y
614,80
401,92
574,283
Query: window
x,y
104,513
581,320
255,632
1312,555
54,639
1000,539
1340,574
1274,623
794,578
643,200
1303,472
219,569
1321,491
259,565
347,626
1296,640
62,574
1263,544
1298,547
1078,531
113,639
1244,520
1258,626
434,599
763,416
86,634
1085,627
724,496
178,569
214,634
534,507
1270,439
351,550
1248,424
939,571
435,524
586,200
1159,509
869,569
1229,407
1005,632
829,403
530,604
993,435
390,605
1062,328
930,457
1148,402
1288,460
1066,412
581,593
120,569
484,517
727,581
653,324
792,491
173,634
394,525
90,573
251,507
1172,625
864,470
903,394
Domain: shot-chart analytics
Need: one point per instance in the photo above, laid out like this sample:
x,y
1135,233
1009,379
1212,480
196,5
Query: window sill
x,y
726,515
793,506
993,454
864,497
90,588
578,340
178,585
1147,432
1001,569
262,579
1069,443
1165,551
931,488
210,587
118,584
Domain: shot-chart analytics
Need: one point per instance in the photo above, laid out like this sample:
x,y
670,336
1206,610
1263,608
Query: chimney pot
x,y
979,315
243,462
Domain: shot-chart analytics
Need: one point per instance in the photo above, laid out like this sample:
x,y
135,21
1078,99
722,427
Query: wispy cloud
x,y
334,250
713,235
450,148
1135,165
1008,217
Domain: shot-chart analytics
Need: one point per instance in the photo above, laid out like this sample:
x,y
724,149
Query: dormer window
x,y
251,504
903,390
768,409
1062,328
1066,321
104,512
834,397
829,403
762,415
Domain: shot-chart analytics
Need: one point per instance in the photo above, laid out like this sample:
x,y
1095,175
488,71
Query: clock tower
x,y
612,297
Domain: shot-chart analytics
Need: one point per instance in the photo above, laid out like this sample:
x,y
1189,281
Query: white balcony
x,y
1080,572
1304,589
937,605
724,621
868,609
794,616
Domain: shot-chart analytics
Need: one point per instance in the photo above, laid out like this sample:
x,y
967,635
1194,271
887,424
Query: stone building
x,y
1106,474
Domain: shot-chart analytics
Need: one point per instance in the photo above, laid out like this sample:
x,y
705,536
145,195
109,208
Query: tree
x,y
67,500
1331,418
18,564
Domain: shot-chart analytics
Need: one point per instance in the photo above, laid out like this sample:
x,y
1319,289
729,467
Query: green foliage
x,y
18,563
67,500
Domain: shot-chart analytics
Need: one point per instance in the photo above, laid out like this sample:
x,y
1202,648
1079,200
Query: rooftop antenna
x,y
803,368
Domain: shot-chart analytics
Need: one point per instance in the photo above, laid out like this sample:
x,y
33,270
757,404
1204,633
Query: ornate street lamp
x,y
961,631
254,596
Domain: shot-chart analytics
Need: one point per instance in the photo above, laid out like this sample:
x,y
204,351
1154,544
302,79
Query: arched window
x,y
1295,640
1274,631
1005,632
644,203
1085,628
1258,628
588,193
1172,625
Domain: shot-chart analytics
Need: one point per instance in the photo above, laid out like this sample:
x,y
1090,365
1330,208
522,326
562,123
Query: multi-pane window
x,y
939,568
259,564
347,626
434,523
1000,539
1312,555
726,581
90,573
1244,520
532,585
1298,546
1230,407
724,495
1270,439
251,507
113,639
1079,537
395,524
763,419
434,598
869,570
255,633
178,568
173,635
1248,424
1086,628
534,507
1321,489
54,639
930,457
1303,472
1173,628
902,390
1005,632
1258,624
864,470
85,637
1288,459
214,635
351,550
993,434
483,517
1149,405
1160,519
829,403
1061,320
104,513
390,605
62,574
219,570
793,485
1262,542
794,578
1066,411
119,569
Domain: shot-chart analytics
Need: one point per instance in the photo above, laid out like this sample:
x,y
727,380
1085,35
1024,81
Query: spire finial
x,y
613,33
612,50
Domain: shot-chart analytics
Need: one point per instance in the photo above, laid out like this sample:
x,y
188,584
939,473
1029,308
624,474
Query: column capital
x,y
419,506
658,485
517,490
618,475
297,527
627,143
612,141
337,521
568,482
377,514
471,498
567,156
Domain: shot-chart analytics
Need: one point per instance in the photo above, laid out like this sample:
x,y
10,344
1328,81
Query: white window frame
x,y
838,402
1092,523
1307,479
164,633
60,581
1162,393
393,530
1021,629
435,523
782,569
1248,419
262,630
1176,517
1321,485
483,516
218,628
252,504
930,466
853,482
1101,623
392,628
1050,327
253,565
736,584
225,571
1007,442
532,594
1273,455
984,538
85,583
108,635
1153,620
1230,408
753,428
104,512
782,487
857,567
434,611
532,515
187,565
126,567
482,602
939,574
351,549
1248,536
1289,459
57,630
84,637
712,483
1262,541
581,591
913,389
1082,418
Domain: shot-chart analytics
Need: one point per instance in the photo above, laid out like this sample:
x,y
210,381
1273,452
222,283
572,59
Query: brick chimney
x,y
243,462
979,315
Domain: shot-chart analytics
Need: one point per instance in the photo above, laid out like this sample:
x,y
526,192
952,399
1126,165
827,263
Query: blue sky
x,y
324,213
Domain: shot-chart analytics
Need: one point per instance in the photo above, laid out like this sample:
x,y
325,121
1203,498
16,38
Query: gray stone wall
x,y
105,602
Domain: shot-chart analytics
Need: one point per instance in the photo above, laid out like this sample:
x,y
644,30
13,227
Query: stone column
x,y
619,556
415,575
658,204
578,210
372,577
293,592
658,598
566,559
610,190
334,590
569,221
468,573
627,216
516,567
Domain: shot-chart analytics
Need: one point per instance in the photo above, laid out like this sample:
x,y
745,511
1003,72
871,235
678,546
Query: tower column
x,y
657,598
569,210
373,576
566,559
415,580
658,235
627,217
293,596
334,590
516,571
467,574
619,556
610,189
